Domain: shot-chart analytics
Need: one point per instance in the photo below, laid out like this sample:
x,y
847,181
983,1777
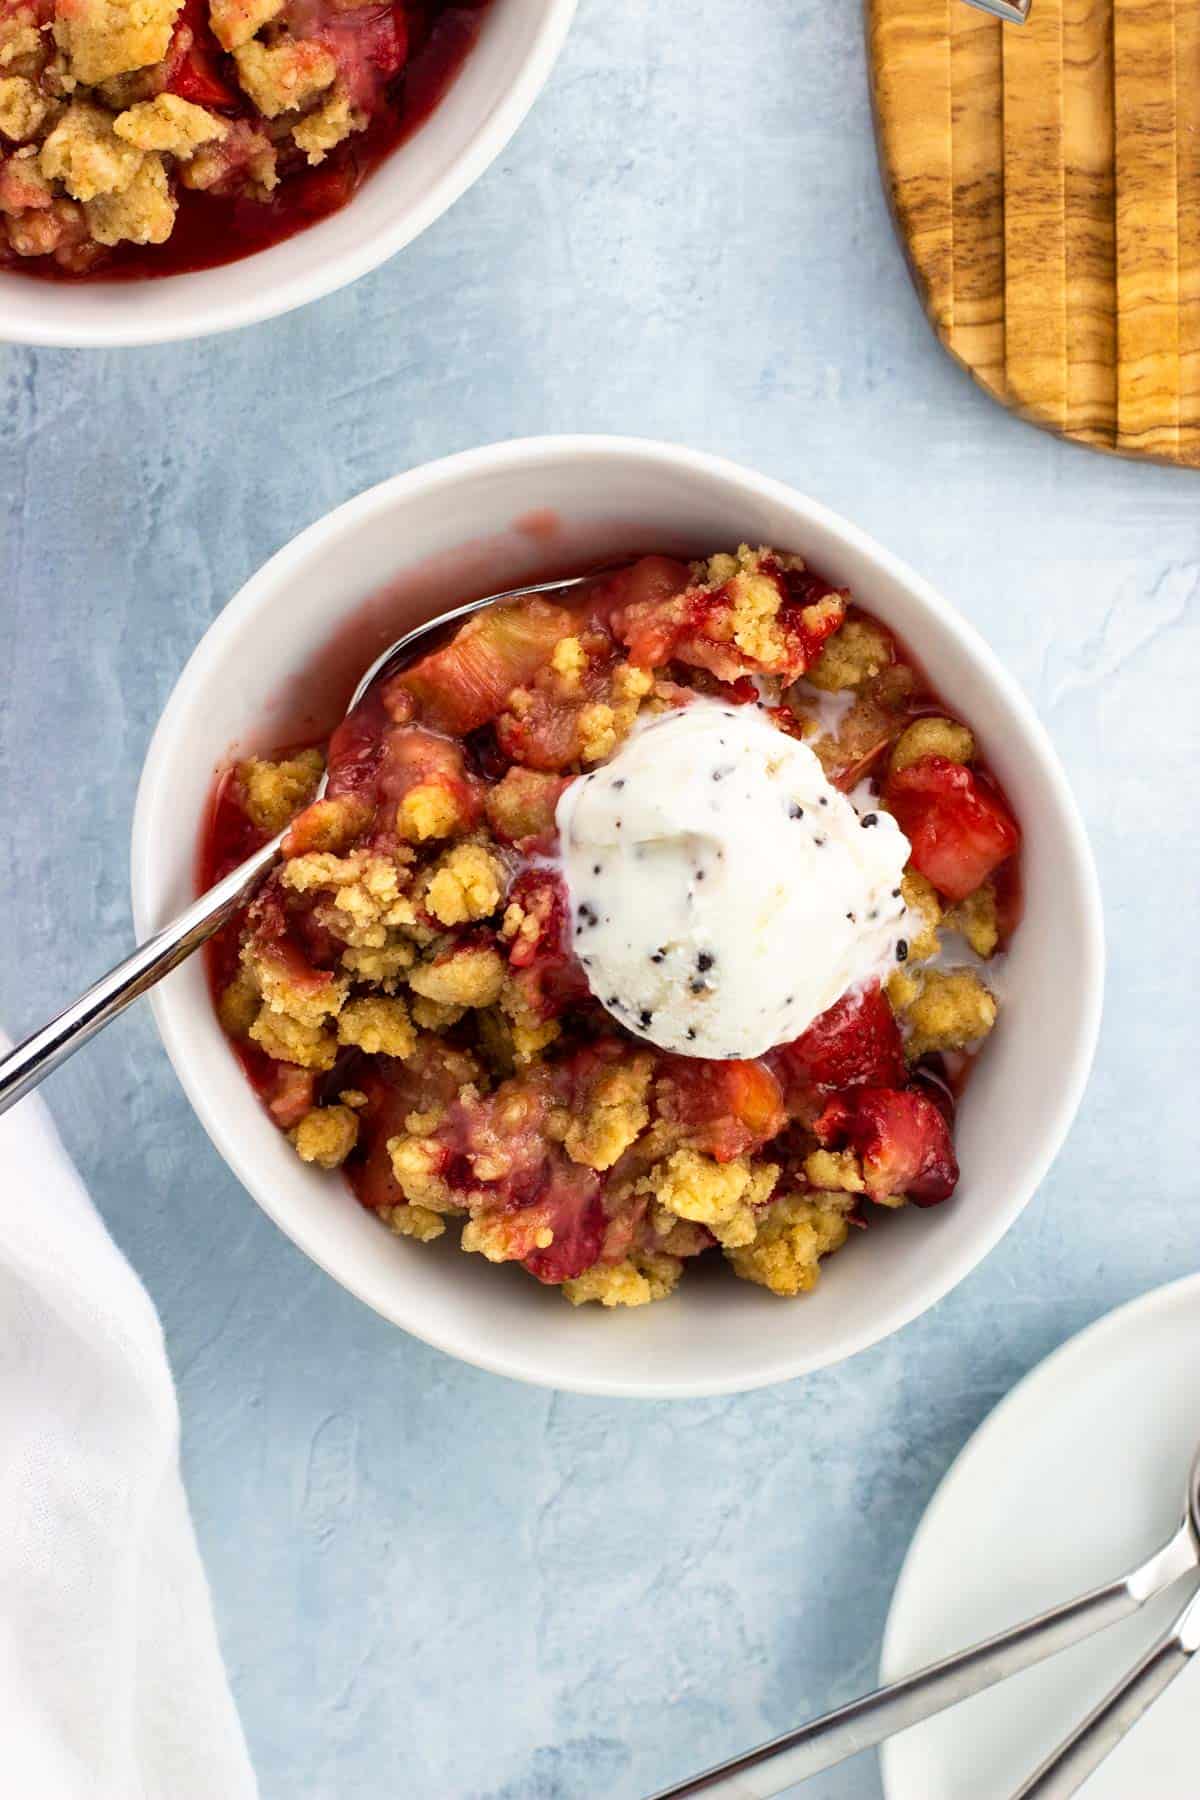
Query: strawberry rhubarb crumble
x,y
150,136
645,927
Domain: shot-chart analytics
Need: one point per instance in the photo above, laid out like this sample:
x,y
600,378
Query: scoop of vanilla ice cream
x,y
723,893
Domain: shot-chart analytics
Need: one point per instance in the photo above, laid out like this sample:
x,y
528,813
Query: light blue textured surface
x,y
429,1582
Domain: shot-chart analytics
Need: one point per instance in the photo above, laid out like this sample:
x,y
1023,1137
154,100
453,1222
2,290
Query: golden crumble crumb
x,y
353,1097
378,1026
170,124
330,825
932,737
631,683
414,1221
977,919
529,1034
238,1006
416,1163
86,155
795,1232
431,1015
109,37
646,1276
756,602
21,45
290,1040
465,884
368,899
597,732
23,108
272,793
383,967
522,803
309,1002
284,75
924,916
569,660
720,1195
951,1009
616,1115
141,213
602,726
423,1124
902,989
851,657
429,810
472,976
235,22
326,1136
837,1171
328,125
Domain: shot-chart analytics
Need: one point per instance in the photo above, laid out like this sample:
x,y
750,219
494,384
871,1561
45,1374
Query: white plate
x,y
1076,1476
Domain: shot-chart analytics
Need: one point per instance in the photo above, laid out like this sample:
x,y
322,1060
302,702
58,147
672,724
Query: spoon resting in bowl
x,y
33,1059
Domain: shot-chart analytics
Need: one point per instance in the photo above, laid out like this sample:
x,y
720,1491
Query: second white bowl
x,y
474,120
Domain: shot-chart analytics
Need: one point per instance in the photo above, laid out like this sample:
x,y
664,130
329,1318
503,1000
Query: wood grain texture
x,y
1035,237
977,169
1147,226
910,53
1045,181
1187,151
1090,222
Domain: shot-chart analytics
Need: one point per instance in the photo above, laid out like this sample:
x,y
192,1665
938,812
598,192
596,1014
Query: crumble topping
x,y
409,987
796,1231
326,1136
109,37
272,793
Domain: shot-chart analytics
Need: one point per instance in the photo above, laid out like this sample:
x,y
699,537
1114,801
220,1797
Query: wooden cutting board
x,y
1045,180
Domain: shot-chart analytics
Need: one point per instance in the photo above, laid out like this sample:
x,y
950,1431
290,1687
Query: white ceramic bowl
x,y
480,111
717,1334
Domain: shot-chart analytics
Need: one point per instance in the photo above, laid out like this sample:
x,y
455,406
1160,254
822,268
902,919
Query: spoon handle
x,y
24,1067
1065,1771
828,1740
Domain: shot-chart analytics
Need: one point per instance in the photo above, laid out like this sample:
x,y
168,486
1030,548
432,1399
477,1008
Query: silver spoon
x,y
1066,1769
32,1060
867,1721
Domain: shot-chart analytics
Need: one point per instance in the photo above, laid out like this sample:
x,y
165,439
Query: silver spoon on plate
x,y
796,1755
31,1061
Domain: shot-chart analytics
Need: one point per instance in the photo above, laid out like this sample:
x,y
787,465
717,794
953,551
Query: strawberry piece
x,y
193,61
569,1206
465,684
546,969
902,1138
726,1108
958,826
855,1044
805,631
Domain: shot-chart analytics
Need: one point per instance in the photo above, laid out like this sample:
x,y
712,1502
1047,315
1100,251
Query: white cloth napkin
x,y
111,1682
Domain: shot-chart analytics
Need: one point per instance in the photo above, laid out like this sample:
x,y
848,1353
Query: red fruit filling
x,y
902,1139
405,992
958,825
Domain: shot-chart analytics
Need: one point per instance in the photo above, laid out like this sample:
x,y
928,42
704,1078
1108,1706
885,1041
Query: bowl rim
x,y
267,300
529,453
